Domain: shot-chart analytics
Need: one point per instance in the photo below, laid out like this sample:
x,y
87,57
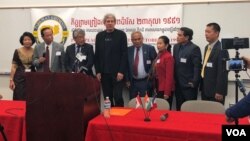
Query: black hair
x,y
216,27
166,42
28,34
45,28
187,32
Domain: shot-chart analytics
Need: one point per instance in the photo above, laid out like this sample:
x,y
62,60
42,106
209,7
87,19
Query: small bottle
x,y
107,107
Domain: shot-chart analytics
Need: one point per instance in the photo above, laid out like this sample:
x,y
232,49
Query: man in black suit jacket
x,y
214,74
111,60
86,54
139,82
187,57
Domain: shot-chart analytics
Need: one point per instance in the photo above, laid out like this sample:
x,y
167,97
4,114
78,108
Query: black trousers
x,y
184,94
208,98
160,94
113,89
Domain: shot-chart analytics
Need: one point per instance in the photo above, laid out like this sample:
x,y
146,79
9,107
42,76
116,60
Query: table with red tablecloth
x,y
12,118
179,126
128,125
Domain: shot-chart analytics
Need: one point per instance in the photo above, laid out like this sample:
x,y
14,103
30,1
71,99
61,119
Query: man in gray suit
x,y
187,57
214,74
49,55
138,81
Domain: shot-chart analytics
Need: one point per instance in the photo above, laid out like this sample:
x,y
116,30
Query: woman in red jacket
x,y
164,70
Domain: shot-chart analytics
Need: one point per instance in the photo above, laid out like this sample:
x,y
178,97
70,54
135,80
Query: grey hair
x,y
136,32
77,32
108,16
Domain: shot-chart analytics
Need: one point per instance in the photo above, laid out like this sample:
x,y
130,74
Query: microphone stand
x,y
2,132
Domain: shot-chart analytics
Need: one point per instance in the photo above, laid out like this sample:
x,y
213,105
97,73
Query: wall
x,y
233,18
79,3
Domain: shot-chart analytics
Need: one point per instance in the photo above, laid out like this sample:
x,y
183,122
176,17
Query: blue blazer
x,y
240,109
149,54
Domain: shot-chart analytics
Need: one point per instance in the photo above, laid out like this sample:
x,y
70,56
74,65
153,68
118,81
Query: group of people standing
x,y
48,56
139,66
182,72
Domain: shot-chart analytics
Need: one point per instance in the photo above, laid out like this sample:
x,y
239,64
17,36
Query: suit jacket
x,y
215,75
240,109
187,65
70,58
118,55
149,54
57,61
165,72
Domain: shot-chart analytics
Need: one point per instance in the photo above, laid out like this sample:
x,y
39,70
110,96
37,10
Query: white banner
x,y
152,21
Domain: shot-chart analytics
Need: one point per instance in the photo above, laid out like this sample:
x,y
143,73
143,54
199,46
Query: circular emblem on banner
x,y
60,31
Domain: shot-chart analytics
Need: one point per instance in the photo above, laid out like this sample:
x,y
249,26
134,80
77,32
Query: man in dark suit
x,y
138,70
214,74
187,57
111,60
80,55
49,55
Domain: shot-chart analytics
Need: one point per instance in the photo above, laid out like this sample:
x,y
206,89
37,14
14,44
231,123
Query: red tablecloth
x,y
179,126
12,117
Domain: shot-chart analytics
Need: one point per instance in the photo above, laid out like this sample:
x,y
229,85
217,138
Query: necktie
x,y
46,64
205,60
78,49
136,62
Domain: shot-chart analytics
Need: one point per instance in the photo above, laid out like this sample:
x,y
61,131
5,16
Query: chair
x,y
203,106
161,103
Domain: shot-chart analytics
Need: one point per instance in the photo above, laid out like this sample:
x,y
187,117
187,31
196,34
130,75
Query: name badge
x,y
58,53
27,70
158,61
183,60
148,61
209,64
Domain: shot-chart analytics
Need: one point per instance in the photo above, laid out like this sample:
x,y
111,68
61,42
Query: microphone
x,y
164,117
78,59
83,69
241,86
44,53
79,56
